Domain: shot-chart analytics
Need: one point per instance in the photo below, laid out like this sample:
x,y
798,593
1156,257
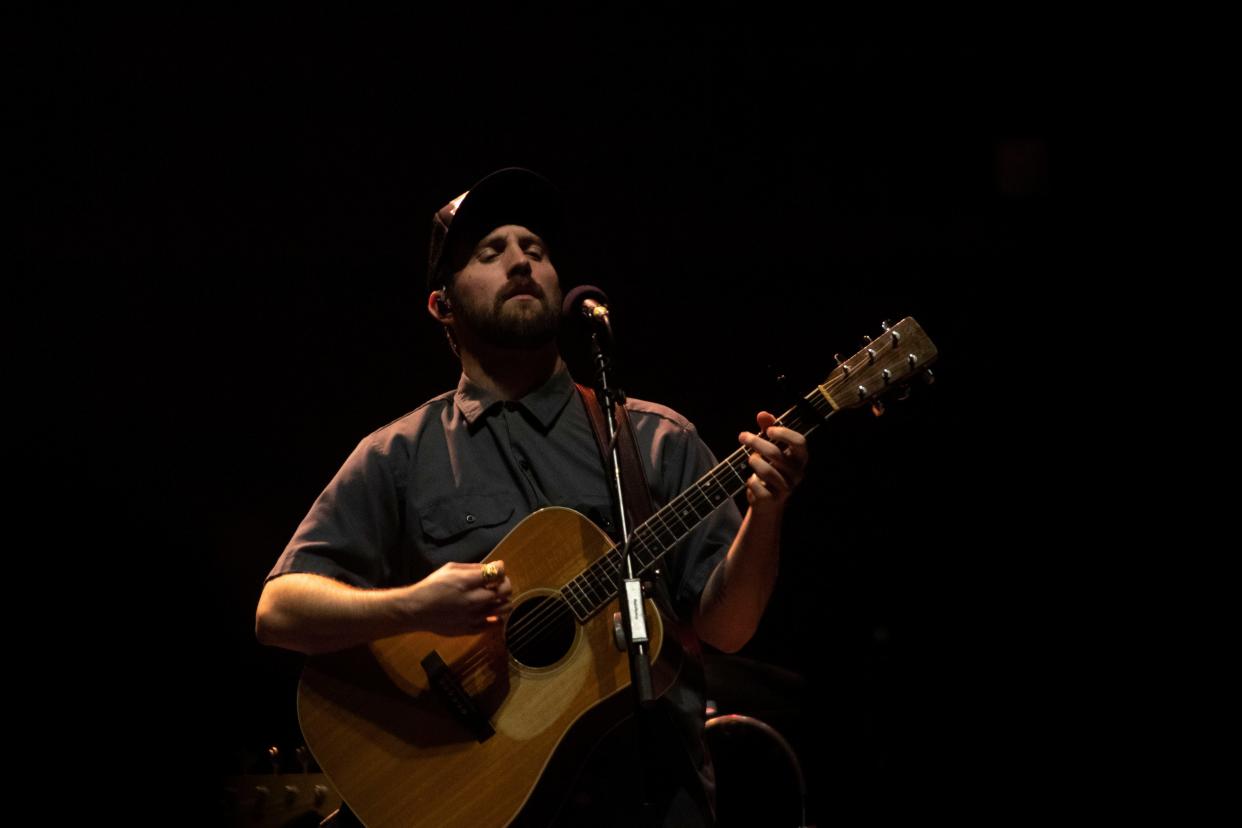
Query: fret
x,y
636,551
593,605
599,573
670,528
639,549
650,556
594,589
612,563
575,589
649,538
579,611
666,514
568,594
714,492
686,512
694,499
580,589
742,469
729,465
667,537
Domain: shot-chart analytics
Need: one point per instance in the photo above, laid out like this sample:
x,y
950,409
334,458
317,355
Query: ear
x,y
438,306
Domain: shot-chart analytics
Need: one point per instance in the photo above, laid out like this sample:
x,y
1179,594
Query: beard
x,y
520,325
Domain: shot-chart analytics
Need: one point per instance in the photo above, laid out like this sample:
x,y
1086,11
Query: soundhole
x,y
540,631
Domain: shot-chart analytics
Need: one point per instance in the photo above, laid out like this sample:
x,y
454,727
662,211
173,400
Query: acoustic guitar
x,y
484,730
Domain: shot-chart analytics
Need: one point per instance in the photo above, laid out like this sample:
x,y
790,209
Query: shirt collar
x,y
544,403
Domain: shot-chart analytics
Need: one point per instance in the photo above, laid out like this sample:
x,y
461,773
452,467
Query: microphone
x,y
587,301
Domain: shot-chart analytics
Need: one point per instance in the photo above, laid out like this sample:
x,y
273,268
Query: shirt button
x,y
470,518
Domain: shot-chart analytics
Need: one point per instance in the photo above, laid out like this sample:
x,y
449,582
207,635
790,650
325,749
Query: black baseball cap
x,y
513,195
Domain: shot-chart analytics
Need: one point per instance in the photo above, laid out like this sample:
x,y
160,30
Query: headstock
x,y
901,353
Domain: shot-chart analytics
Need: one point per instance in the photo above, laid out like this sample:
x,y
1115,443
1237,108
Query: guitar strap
x,y
633,477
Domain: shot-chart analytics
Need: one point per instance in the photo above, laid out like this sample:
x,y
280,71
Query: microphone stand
x,y
628,585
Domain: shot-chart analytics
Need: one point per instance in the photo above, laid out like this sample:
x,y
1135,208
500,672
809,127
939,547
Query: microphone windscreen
x,y
578,295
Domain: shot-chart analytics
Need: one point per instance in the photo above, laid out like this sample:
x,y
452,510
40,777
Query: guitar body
x,y
401,755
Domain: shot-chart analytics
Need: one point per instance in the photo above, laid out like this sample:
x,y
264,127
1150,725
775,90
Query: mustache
x,y
530,288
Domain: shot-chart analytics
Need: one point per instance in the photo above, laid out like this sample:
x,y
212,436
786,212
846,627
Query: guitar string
x,y
535,624
541,620
552,611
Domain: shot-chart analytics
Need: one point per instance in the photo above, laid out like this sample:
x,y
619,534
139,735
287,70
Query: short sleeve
x,y
353,525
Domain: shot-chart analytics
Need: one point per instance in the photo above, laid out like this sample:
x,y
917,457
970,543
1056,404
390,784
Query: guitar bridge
x,y
450,691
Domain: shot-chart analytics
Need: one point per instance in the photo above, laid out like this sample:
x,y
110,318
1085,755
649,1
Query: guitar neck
x,y
595,587
901,353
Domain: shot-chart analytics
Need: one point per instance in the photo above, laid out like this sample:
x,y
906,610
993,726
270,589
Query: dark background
x,y
223,239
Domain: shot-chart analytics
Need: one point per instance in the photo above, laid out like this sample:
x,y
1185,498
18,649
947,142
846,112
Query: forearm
x,y
738,590
313,614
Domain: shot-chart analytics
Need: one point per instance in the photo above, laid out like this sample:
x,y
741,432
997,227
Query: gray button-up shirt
x,y
447,482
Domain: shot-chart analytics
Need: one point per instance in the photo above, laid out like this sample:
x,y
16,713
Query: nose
x,y
518,263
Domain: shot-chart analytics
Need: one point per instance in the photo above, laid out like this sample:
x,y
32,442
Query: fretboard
x,y
596,586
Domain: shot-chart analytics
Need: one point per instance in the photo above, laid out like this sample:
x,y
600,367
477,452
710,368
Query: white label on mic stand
x,y
634,606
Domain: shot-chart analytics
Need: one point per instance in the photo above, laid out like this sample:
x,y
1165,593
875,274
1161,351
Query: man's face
x,y
507,293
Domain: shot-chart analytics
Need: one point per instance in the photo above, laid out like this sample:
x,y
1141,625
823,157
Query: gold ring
x,y
491,572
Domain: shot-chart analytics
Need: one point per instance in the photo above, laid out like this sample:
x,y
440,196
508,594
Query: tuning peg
x,y
836,358
929,377
877,408
905,392
866,339
273,755
885,325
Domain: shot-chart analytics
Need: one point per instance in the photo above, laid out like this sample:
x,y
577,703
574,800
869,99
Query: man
x,y
392,544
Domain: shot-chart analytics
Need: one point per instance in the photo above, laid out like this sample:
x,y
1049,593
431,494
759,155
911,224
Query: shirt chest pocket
x,y
453,518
